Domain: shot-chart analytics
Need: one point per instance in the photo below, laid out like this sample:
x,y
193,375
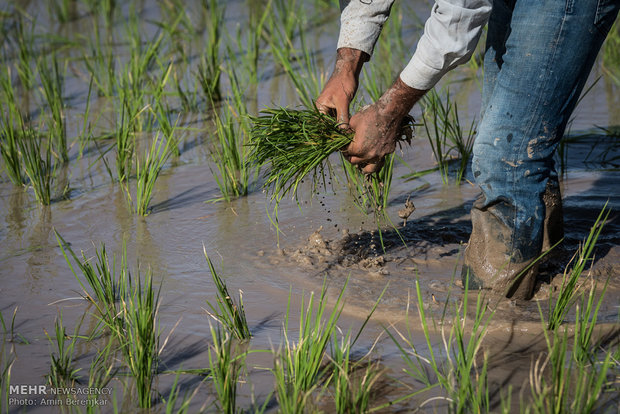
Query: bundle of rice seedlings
x,y
296,144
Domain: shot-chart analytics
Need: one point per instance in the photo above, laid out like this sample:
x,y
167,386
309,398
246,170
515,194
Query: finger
x,y
355,160
371,168
342,112
324,109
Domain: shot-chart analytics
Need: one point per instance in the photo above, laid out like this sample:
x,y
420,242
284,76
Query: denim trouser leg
x,y
539,55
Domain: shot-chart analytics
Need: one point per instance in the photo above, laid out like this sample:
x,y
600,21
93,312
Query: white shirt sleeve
x,y
361,22
450,35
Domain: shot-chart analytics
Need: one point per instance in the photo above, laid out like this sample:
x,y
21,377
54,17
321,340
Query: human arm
x,y
360,26
450,37
378,126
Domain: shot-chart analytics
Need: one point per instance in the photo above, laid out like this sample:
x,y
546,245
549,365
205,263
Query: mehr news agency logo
x,y
44,395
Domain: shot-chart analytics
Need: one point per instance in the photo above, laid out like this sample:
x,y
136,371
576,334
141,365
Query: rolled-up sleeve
x,y
361,22
450,37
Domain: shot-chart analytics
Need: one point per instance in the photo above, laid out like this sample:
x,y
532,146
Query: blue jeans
x,y
538,56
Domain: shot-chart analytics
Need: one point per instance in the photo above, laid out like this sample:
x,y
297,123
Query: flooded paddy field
x,y
325,240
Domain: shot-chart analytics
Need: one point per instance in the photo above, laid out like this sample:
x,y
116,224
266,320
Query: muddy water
x,y
327,240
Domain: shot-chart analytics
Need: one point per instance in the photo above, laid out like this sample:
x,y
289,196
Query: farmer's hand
x,y
378,126
342,84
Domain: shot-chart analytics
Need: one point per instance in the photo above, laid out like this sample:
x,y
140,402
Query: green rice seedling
x,y
173,397
64,10
161,110
101,371
176,21
147,172
63,373
209,70
353,380
250,40
99,60
287,18
208,75
24,41
143,55
226,361
10,124
230,154
86,134
108,286
299,365
306,76
52,83
140,336
6,364
228,311
37,164
570,280
187,95
447,138
125,138
453,368
13,336
294,143
577,383
586,318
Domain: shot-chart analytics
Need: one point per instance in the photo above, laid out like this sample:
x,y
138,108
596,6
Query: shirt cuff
x,y
421,76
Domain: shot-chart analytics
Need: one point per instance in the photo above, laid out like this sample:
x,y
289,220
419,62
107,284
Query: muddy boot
x,y
492,262
554,220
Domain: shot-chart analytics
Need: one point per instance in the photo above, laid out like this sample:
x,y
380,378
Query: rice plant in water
x,y
448,140
64,10
574,380
107,284
52,85
101,371
147,171
230,155
38,165
209,70
455,367
6,364
173,397
11,124
228,310
63,373
226,360
24,41
353,380
125,138
570,280
99,59
250,40
299,365
140,336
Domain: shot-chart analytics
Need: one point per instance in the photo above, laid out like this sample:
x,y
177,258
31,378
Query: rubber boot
x,y
491,260
492,263
554,220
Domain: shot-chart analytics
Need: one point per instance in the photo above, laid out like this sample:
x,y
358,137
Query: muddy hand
x,y
378,126
340,89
